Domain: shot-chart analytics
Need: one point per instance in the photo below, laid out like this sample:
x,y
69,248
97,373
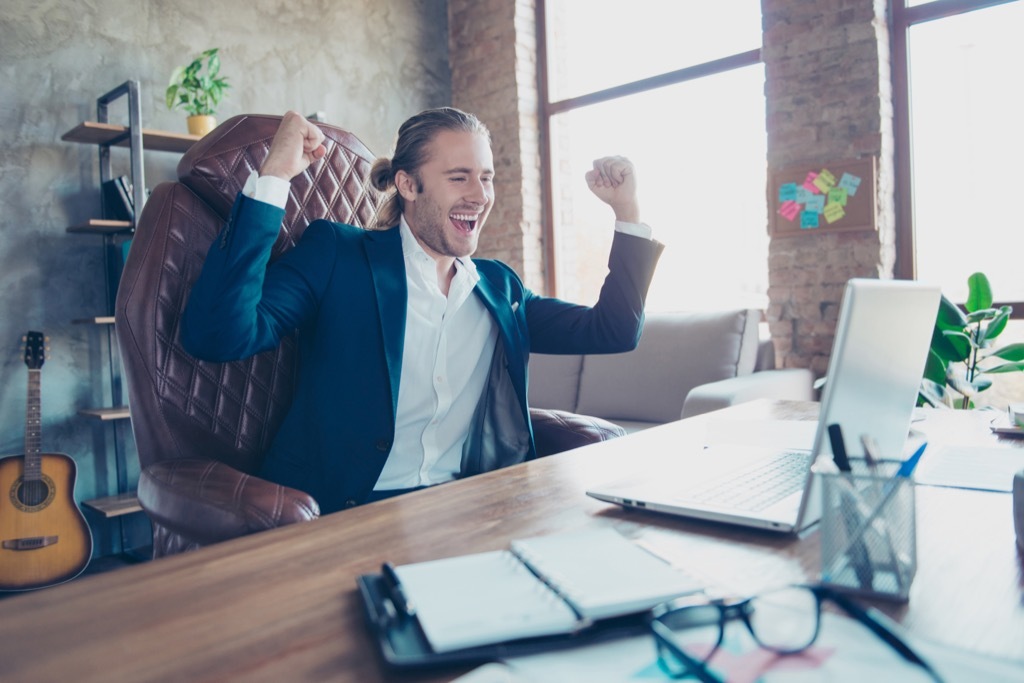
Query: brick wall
x,y
828,99
493,58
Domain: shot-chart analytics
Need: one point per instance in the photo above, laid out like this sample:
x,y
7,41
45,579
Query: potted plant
x,y
198,92
962,359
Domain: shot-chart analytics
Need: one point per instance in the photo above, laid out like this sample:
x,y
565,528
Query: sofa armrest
x,y
787,384
555,431
207,501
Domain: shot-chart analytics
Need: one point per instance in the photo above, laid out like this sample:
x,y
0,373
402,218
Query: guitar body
x,y
44,538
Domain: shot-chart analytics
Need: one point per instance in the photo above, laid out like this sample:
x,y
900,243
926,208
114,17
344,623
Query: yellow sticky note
x,y
834,212
825,181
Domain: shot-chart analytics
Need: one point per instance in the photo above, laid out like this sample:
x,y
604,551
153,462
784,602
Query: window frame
x,y
549,109
902,18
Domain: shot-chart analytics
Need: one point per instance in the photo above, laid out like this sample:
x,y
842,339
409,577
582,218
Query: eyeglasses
x,y
785,621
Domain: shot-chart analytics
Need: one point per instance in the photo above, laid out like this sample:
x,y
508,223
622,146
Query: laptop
x,y
874,373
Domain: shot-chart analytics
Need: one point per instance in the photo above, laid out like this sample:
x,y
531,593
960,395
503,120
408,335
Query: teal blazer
x,y
344,290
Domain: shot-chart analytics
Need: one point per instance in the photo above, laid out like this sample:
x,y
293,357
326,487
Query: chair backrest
x,y
182,407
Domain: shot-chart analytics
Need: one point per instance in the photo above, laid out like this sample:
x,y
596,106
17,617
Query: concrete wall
x,y
368,64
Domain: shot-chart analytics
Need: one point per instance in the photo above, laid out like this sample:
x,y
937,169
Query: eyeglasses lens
x,y
785,620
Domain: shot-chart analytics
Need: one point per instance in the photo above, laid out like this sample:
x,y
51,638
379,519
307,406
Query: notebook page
x,y
602,573
482,599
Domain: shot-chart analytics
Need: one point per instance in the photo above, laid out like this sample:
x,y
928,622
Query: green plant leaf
x,y
1010,352
996,327
979,293
957,346
935,367
196,92
983,314
949,316
933,394
1013,366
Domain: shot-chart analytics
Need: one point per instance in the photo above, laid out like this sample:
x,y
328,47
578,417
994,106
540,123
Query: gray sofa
x,y
686,364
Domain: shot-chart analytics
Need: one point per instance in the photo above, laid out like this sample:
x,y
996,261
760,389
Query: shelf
x,y
115,506
101,226
96,320
106,414
93,133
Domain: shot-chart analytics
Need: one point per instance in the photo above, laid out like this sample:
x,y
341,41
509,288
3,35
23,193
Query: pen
x,y
848,506
835,436
395,590
891,487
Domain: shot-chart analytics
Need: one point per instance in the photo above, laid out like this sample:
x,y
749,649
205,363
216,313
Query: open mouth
x,y
464,222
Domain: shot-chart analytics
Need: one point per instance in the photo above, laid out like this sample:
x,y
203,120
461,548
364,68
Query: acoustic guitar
x,y
44,539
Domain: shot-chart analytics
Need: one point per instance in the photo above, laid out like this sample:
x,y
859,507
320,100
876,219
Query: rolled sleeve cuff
x,y
269,189
636,229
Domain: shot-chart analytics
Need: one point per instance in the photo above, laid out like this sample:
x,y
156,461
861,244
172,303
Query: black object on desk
x,y
402,643
860,558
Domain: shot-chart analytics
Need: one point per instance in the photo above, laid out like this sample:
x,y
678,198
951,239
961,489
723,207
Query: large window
x,y
960,92
678,87
960,147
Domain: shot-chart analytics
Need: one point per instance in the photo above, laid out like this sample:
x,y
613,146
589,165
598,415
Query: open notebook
x,y
541,586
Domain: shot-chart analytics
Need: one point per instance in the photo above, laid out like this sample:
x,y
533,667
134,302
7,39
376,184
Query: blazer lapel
x,y
503,314
384,252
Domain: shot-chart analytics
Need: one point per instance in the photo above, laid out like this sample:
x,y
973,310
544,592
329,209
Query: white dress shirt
x,y
446,355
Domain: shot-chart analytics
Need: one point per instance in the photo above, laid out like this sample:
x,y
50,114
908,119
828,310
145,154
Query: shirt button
x,y
383,445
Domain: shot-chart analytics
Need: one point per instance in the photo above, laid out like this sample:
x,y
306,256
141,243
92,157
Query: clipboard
x,y
402,644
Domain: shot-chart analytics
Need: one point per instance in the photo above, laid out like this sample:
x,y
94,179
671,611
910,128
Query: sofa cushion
x,y
554,381
677,352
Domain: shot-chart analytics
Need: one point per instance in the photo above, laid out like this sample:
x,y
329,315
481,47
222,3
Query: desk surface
x,y
282,605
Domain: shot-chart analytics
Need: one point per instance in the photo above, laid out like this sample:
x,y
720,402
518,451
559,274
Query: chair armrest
x,y
794,384
207,501
555,431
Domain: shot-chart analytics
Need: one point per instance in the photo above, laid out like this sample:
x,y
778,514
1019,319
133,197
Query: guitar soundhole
x,y
30,496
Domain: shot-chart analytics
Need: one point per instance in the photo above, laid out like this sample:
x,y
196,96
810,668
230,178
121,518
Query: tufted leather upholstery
x,y
202,428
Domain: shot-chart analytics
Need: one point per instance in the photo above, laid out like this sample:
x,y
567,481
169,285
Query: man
x,y
413,357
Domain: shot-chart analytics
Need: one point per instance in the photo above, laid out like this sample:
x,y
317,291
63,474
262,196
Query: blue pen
x,y
891,487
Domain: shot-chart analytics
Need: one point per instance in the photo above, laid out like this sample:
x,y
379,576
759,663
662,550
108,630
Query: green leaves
x,y
961,345
196,92
979,293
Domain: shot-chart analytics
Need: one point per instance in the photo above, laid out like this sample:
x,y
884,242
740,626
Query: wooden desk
x,y
282,605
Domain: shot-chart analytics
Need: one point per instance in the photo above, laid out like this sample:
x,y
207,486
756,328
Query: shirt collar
x,y
411,248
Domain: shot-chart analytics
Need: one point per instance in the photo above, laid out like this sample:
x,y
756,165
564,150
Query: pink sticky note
x,y
809,183
789,210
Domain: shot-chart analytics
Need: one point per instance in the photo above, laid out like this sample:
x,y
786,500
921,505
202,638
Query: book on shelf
x,y
118,201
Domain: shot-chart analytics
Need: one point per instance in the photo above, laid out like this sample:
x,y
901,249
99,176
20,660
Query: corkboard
x,y
833,197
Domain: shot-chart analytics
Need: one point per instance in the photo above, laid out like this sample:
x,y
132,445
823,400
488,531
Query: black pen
x,y
395,590
848,507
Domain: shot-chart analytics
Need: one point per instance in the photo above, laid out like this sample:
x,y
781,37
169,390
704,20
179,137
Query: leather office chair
x,y
202,428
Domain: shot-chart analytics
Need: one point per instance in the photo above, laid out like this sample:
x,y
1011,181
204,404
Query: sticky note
x,y
789,210
809,182
815,204
837,195
787,192
803,194
834,212
850,183
808,219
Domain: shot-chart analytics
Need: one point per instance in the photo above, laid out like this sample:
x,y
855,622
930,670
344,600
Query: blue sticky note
x,y
850,183
787,192
808,220
816,203
803,194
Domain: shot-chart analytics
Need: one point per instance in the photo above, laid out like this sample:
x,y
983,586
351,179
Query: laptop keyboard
x,y
756,488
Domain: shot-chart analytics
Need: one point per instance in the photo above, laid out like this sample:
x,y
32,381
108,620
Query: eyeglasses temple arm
x,y
880,630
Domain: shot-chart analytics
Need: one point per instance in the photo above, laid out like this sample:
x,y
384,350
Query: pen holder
x,y
868,531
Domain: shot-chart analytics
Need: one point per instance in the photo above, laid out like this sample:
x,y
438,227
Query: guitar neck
x,y
33,429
